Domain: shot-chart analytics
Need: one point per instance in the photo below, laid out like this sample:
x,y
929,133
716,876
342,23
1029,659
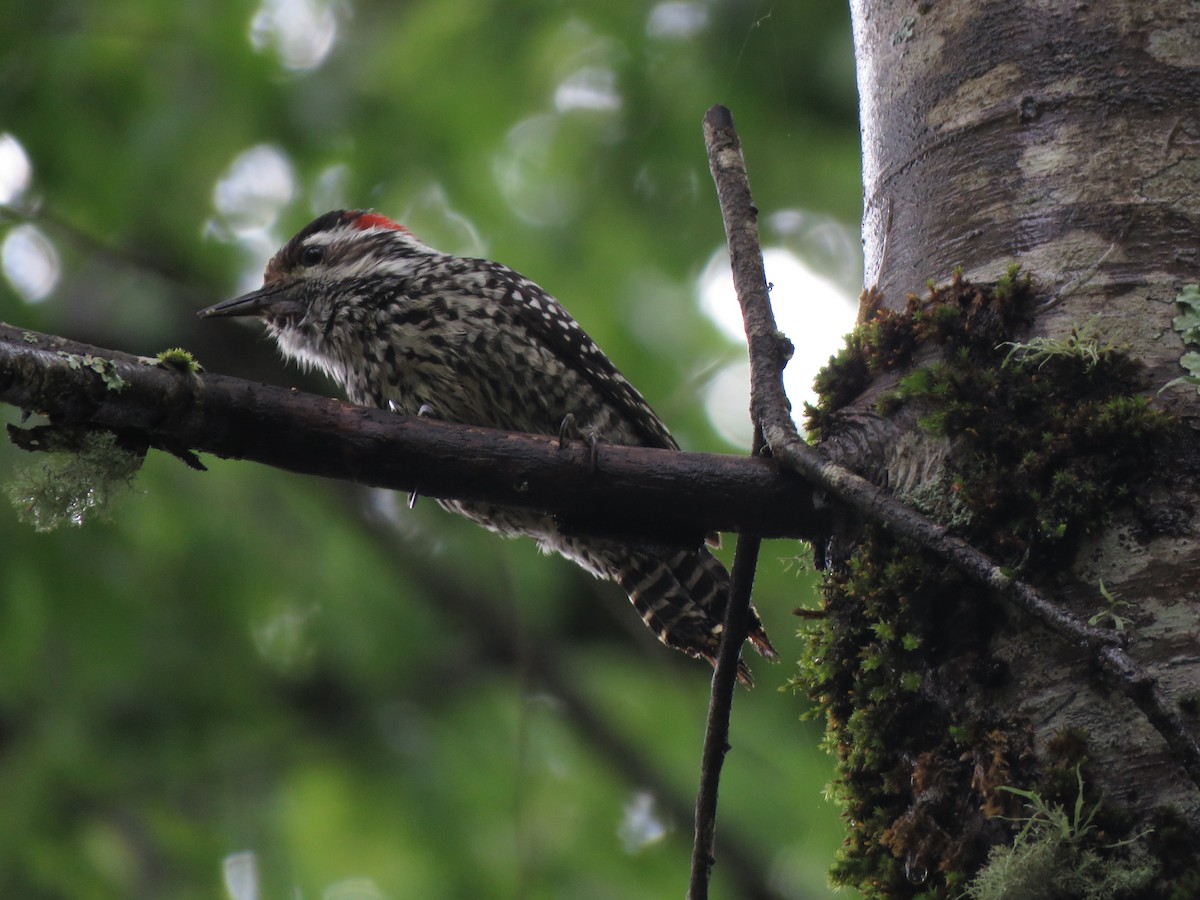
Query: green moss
x,y
178,358
1048,439
959,314
1042,864
1062,430
1060,852
889,617
1010,284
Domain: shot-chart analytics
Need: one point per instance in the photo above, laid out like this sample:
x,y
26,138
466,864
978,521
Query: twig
x,y
749,278
771,409
720,706
769,348
643,493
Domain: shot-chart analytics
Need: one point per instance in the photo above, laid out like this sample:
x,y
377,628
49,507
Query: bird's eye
x,y
312,256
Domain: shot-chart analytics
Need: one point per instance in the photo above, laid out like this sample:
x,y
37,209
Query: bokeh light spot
x,y
15,170
240,874
810,309
525,176
30,262
256,186
590,88
301,32
641,824
677,21
727,403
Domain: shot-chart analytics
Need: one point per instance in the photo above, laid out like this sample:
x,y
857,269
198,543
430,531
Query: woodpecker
x,y
401,326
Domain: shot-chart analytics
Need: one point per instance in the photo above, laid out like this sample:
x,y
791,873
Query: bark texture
x,y
1065,137
660,495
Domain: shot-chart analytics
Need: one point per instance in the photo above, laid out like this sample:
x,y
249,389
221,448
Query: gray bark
x,y
1064,136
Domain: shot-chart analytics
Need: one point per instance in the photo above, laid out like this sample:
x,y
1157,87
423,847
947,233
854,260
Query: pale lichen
x,y
71,488
98,364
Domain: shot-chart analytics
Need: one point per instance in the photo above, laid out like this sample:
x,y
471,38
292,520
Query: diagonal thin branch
x,y
772,412
745,561
720,705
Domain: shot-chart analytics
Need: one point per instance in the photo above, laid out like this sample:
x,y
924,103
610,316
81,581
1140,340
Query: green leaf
x,y
1187,323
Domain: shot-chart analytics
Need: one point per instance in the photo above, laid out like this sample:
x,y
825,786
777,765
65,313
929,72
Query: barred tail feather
x,y
710,568
682,598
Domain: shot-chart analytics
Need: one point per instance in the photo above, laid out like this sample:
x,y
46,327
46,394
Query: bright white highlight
x,y
641,825
812,311
252,191
16,171
30,262
590,88
240,874
301,32
676,20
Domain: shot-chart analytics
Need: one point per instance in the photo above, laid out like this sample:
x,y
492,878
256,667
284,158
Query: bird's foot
x,y
424,411
569,430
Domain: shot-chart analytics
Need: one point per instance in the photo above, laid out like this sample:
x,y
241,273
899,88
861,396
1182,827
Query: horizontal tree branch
x,y
633,492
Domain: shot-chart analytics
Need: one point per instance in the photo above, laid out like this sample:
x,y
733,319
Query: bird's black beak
x,y
265,302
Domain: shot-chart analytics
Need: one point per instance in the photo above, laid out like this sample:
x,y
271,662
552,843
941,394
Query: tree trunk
x,y
1064,137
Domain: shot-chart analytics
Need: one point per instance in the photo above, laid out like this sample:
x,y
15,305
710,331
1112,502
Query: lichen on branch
x,y
71,485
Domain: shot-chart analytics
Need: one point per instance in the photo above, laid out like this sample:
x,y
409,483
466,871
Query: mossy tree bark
x,y
1064,137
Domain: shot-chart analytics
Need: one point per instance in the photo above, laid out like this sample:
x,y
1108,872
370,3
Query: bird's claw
x,y
593,440
569,430
424,411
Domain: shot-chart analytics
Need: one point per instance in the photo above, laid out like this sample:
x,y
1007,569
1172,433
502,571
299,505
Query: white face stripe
x,y
370,259
367,265
348,232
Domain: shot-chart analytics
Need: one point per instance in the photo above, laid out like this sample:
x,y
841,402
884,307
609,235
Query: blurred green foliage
x,y
251,670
